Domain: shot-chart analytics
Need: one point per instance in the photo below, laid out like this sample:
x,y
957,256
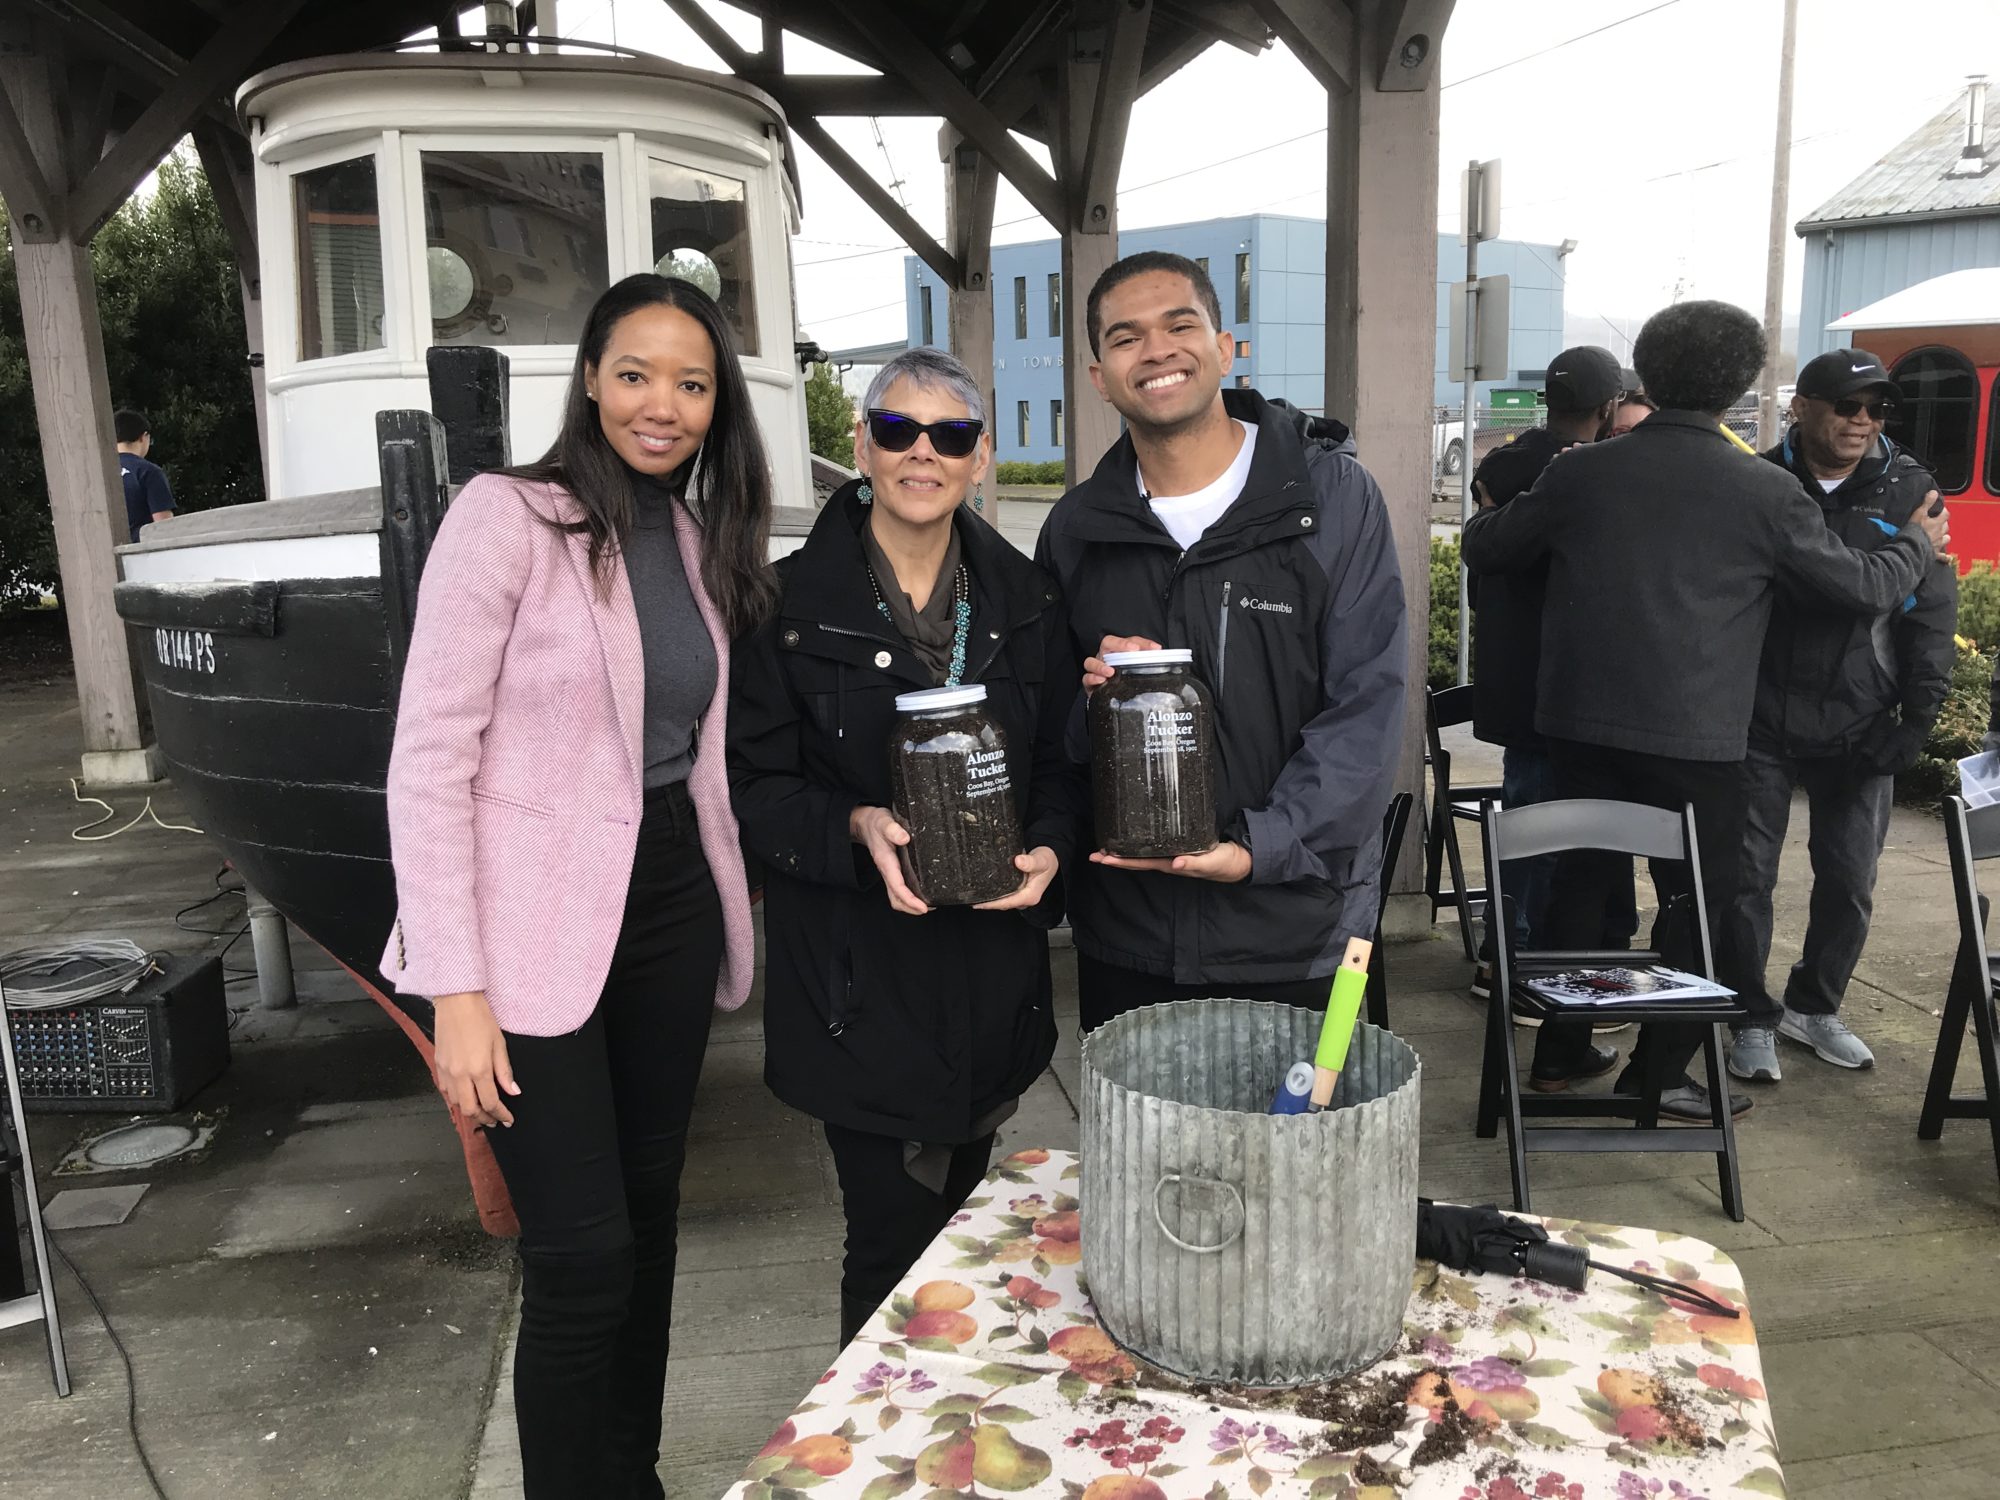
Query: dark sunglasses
x,y
1879,409
893,432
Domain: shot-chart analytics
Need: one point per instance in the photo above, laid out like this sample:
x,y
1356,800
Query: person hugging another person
x,y
571,891
909,1031
1666,549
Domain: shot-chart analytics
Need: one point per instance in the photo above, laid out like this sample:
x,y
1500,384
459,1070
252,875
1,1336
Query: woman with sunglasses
x,y
909,1032
570,887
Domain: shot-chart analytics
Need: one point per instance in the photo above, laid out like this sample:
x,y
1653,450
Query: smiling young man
x,y
1844,702
1241,530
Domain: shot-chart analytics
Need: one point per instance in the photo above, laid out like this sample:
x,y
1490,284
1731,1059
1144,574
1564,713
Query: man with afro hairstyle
x,y
1665,549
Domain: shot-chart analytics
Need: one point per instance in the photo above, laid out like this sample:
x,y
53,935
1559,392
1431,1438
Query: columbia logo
x,y
1268,606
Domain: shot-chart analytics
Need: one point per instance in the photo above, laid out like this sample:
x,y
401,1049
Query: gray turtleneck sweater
x,y
680,658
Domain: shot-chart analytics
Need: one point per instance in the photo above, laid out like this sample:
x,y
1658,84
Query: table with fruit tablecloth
x,y
987,1375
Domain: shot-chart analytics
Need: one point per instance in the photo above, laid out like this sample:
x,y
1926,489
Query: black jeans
x,y
593,1162
1105,990
1581,893
891,1217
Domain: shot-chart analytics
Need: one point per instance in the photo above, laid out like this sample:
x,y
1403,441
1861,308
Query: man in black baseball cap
x,y
1583,386
1844,702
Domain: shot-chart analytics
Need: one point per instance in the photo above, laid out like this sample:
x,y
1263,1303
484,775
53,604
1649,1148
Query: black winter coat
x,y
1507,608
1864,688
912,1027
1665,549
1292,603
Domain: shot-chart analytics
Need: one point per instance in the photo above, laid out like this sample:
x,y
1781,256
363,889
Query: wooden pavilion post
x,y
1095,87
971,181
38,161
1381,278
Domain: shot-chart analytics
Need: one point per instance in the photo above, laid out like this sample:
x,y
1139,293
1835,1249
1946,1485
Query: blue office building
x,y
1270,276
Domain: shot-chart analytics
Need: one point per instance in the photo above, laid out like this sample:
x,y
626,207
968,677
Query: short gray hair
x,y
934,370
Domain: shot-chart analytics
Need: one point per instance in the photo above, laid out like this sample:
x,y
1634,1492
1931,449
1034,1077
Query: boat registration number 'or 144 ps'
x,y
193,650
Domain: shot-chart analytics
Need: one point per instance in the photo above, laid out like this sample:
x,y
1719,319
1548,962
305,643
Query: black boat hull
x,y
270,704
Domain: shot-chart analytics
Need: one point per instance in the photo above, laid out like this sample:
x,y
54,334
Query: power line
x,y
858,312
1558,46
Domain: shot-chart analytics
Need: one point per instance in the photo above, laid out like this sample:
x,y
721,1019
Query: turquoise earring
x,y
866,494
979,497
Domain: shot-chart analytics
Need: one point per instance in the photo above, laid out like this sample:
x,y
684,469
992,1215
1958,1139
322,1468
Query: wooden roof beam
x,y
35,209
1319,33
220,65
927,73
712,36
1223,20
1124,48
878,198
1410,33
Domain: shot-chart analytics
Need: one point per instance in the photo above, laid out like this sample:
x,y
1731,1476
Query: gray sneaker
x,y
1689,1104
1829,1037
1753,1054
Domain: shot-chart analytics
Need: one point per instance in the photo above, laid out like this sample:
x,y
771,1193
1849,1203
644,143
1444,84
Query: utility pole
x,y
1468,408
1774,274
1479,220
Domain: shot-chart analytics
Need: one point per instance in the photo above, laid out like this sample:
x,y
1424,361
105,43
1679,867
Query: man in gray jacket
x,y
1665,548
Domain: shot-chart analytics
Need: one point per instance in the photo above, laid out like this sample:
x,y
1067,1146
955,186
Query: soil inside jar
x,y
1151,779
955,795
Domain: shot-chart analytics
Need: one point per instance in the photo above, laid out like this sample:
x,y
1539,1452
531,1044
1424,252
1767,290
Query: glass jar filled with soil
x,y
1151,748
952,791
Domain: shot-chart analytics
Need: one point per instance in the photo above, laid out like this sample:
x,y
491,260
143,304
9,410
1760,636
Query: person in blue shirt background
x,y
147,497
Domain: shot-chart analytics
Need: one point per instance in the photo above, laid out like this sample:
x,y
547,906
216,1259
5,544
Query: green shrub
x,y
1960,727
1979,607
1016,472
1444,613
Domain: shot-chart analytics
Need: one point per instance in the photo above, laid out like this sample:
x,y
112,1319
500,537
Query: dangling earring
x,y
866,494
979,497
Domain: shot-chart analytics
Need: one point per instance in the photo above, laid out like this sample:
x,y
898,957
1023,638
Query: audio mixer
x,y
146,1051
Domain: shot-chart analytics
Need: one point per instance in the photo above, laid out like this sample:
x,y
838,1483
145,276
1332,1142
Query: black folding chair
x,y
1972,834
1628,828
1394,821
1451,805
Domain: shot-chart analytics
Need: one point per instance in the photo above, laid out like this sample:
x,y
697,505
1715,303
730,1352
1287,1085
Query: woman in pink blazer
x,y
571,892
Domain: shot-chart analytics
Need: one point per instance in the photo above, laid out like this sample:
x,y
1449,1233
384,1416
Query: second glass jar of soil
x,y
953,792
1151,757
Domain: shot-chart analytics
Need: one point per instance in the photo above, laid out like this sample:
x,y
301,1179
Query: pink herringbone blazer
x,y
514,784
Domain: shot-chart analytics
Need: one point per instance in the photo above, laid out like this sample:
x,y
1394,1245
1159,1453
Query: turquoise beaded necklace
x,y
961,614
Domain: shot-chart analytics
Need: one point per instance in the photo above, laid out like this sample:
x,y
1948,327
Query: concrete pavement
x,y
312,1311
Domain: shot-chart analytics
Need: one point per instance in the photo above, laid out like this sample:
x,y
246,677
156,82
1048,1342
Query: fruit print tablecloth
x,y
987,1376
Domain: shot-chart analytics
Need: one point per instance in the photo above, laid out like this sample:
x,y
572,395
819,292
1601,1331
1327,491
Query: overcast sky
x,y
1649,143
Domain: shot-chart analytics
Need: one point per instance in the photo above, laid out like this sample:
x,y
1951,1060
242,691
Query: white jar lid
x,y
929,700
1169,656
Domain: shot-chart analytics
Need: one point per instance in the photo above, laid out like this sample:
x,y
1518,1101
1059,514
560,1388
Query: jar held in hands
x,y
954,793
1151,757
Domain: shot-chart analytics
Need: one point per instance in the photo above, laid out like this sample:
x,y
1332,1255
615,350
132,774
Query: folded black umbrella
x,y
1481,1238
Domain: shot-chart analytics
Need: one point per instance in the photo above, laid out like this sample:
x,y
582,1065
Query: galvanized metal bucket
x,y
1222,1242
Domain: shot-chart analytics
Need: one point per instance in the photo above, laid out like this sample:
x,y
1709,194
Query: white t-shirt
x,y
1830,485
1186,517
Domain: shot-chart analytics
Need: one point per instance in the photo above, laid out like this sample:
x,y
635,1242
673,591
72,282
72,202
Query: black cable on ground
x,y
131,1376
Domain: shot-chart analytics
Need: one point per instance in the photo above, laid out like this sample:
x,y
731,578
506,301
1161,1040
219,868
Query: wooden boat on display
x,y
433,228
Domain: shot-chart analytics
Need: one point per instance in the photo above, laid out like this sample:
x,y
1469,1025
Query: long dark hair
x,y
726,485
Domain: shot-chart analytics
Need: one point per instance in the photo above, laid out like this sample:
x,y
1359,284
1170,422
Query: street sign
x,y
1479,202
1493,296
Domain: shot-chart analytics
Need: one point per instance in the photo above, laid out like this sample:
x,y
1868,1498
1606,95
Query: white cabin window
x,y
516,244
339,228
701,234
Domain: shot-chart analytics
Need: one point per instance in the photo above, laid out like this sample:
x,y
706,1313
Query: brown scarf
x,y
929,630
